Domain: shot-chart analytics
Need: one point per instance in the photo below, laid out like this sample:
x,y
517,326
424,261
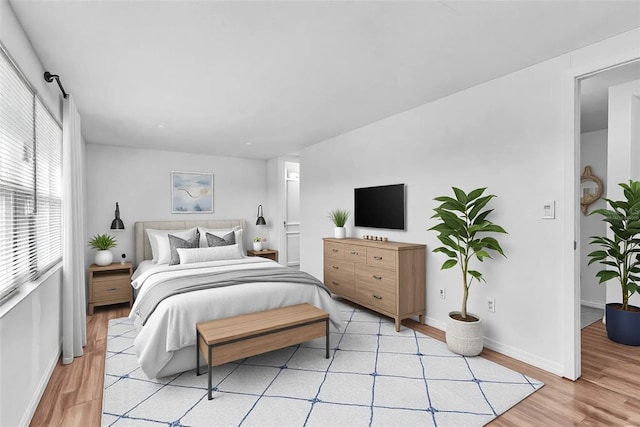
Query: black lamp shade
x,y
117,223
260,220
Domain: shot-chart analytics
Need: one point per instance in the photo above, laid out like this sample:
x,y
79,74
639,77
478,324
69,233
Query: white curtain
x,y
74,316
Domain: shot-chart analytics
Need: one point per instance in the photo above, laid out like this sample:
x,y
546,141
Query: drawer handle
x,y
112,289
354,253
335,283
377,277
334,250
376,296
335,267
378,258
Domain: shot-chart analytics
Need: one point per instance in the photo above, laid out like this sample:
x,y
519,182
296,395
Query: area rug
x,y
375,376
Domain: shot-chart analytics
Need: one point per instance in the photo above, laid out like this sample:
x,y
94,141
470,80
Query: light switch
x,y
549,209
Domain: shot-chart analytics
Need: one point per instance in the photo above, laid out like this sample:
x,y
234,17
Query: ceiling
x,y
264,79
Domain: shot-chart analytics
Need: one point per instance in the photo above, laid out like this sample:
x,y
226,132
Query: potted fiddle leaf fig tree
x,y
465,234
339,218
620,255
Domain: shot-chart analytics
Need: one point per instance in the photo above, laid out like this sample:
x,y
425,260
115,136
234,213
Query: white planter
x,y
257,246
465,338
340,232
103,258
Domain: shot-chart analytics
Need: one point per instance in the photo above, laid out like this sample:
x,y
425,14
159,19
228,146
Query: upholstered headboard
x,y
143,247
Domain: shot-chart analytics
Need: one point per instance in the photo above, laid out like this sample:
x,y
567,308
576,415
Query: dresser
x,y
387,277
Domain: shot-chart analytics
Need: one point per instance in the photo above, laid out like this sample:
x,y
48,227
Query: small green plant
x,y
339,217
460,223
622,251
102,242
257,239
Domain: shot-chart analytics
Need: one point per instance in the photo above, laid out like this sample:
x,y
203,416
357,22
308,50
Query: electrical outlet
x,y
443,293
491,305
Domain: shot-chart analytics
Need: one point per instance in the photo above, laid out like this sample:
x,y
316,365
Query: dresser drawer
x,y
333,250
355,253
381,258
376,295
111,290
339,277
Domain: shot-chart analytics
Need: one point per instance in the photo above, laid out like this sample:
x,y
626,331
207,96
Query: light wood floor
x,y
606,395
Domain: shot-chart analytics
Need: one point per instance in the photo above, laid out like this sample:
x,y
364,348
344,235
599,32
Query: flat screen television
x,y
379,207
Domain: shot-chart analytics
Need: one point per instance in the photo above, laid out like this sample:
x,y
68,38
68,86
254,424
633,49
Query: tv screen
x,y
379,207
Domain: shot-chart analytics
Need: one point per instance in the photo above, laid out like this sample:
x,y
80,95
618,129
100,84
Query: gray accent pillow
x,y
226,240
177,242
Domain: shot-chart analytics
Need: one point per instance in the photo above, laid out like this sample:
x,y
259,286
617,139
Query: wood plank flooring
x,y
605,395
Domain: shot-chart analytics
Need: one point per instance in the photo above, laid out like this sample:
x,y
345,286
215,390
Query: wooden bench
x,y
250,334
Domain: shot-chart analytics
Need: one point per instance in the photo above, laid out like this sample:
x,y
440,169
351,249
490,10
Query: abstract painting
x,y
191,192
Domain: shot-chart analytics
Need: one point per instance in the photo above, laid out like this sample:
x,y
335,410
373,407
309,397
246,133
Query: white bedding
x,y
171,327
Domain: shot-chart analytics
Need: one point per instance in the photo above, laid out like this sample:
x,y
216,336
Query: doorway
x,y
290,236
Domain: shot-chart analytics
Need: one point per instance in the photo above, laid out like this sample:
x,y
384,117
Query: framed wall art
x,y
191,192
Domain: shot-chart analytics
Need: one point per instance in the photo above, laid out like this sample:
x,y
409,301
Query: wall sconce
x,y
260,220
117,223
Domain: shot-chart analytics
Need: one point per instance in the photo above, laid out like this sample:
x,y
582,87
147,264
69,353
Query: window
x,y
30,182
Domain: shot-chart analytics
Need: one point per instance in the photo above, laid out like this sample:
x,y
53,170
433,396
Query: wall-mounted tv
x,y
379,207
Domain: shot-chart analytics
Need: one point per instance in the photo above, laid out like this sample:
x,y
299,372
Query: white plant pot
x,y
103,258
340,232
465,338
257,246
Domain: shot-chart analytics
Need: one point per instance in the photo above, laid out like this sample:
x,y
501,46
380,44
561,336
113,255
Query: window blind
x,y
30,183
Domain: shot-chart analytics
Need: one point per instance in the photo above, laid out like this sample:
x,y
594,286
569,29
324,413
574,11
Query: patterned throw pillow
x,y
226,240
177,242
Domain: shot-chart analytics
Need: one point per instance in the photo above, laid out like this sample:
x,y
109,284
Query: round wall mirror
x,y
590,189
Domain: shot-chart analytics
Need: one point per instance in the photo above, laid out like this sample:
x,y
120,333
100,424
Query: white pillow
x,y
159,240
220,232
217,253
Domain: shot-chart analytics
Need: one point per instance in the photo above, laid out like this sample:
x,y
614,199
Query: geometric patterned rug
x,y
374,376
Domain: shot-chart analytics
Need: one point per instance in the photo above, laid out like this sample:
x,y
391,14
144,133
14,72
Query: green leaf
x,y
474,194
448,264
605,275
476,275
460,195
446,251
478,205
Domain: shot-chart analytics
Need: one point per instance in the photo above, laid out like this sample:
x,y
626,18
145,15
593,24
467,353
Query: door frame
x,y
572,346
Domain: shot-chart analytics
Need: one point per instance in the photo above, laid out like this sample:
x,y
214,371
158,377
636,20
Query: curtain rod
x,y
48,77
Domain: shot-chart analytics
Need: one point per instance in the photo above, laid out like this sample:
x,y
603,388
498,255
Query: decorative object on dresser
x,y
191,192
110,284
387,277
103,243
460,227
339,218
620,256
265,253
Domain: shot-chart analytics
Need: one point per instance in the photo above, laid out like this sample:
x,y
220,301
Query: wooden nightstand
x,y
110,284
267,253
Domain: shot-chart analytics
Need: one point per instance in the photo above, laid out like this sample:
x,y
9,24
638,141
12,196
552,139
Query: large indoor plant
x,y
339,218
464,231
620,256
103,243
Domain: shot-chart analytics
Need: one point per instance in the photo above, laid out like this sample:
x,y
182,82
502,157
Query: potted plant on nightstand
x,y
103,243
339,218
463,229
257,243
621,254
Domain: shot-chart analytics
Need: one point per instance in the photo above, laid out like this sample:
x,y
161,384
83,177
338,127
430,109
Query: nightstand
x,y
110,284
267,253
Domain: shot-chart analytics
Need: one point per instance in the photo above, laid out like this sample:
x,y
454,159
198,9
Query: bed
x,y
171,299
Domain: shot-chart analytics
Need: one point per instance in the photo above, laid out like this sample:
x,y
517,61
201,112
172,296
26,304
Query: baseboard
x,y
591,304
33,405
522,356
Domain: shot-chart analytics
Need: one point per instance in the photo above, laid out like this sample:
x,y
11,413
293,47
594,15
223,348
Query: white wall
x,y
593,153
623,153
507,134
140,181
30,331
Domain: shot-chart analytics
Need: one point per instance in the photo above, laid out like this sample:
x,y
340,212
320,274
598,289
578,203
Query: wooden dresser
x,y
387,277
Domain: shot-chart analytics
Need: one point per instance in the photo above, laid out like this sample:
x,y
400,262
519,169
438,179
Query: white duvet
x,y
172,325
